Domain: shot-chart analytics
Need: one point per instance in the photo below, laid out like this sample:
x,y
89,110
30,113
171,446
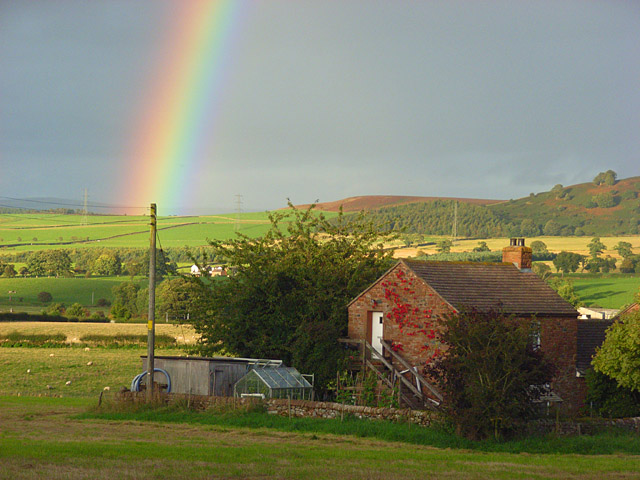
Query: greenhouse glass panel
x,y
282,382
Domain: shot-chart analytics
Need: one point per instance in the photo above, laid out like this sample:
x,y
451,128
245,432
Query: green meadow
x,y
45,231
607,291
56,438
85,291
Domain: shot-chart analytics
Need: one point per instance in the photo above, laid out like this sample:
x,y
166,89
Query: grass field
x,y
607,291
56,432
184,334
85,291
44,231
45,438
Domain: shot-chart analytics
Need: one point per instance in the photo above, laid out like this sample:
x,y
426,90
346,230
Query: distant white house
x,y
597,313
211,271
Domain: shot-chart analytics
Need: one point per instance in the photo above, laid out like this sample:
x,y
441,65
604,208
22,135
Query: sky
x,y
316,100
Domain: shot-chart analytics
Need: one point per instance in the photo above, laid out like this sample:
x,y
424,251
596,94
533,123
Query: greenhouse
x,y
281,382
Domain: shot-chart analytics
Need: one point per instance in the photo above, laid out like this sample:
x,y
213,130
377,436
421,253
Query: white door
x,y
377,330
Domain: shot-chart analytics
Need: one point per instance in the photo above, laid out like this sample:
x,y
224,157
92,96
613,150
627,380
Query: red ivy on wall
x,y
410,319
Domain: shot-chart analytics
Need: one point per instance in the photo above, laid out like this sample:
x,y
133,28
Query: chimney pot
x,y
518,254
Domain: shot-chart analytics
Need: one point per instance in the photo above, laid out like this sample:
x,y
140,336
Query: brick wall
x,y
414,344
558,335
559,341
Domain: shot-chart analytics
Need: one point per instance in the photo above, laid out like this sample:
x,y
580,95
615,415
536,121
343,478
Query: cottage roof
x,y
487,286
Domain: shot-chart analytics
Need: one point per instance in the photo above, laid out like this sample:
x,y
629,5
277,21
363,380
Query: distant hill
x,y
372,202
583,209
49,204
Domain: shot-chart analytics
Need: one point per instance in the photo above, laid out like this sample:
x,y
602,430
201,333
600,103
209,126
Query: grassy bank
x,y
44,438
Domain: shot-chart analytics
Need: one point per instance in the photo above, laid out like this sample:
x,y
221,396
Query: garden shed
x,y
207,376
282,382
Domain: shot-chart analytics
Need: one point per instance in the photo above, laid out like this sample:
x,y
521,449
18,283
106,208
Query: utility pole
x,y
151,324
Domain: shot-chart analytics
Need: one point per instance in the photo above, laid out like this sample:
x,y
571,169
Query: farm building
x,y
597,313
207,376
415,294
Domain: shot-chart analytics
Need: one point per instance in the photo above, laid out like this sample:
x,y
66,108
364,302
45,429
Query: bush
x,y
45,297
77,310
609,399
56,309
490,374
103,302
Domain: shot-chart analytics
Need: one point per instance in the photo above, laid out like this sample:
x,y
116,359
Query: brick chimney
x,y
518,254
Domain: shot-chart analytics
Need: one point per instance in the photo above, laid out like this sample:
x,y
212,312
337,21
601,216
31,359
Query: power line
x,y
64,204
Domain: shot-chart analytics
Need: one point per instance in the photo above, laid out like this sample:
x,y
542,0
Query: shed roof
x,y
488,286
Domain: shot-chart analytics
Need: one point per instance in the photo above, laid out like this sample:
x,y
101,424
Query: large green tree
x,y
624,249
491,373
619,355
287,293
566,262
181,298
49,262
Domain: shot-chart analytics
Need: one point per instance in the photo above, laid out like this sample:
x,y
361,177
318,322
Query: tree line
x,y
102,261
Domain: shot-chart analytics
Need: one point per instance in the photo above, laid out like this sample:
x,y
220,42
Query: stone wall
x,y
425,418
290,408
303,408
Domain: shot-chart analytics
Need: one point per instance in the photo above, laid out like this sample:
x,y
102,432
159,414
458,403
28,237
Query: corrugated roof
x,y
490,286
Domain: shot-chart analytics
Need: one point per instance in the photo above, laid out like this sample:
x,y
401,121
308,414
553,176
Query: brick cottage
x,y
403,307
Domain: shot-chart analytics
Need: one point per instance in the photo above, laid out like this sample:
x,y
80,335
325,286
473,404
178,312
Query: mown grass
x,y
44,438
63,290
606,443
74,332
17,339
41,371
607,290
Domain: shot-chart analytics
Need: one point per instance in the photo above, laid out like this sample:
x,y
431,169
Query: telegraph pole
x,y
151,324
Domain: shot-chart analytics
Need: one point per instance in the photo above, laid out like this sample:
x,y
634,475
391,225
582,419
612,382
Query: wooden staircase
x,y
413,390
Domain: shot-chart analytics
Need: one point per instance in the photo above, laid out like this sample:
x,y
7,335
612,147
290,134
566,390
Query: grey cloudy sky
x,y
330,99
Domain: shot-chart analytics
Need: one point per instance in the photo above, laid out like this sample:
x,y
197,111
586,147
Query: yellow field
x,y
554,244
184,334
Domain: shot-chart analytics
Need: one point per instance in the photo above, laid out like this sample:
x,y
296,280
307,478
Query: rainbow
x,y
175,131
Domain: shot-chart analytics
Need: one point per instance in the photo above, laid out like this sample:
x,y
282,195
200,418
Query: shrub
x,y
55,309
604,200
491,373
103,302
45,297
77,310
609,399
